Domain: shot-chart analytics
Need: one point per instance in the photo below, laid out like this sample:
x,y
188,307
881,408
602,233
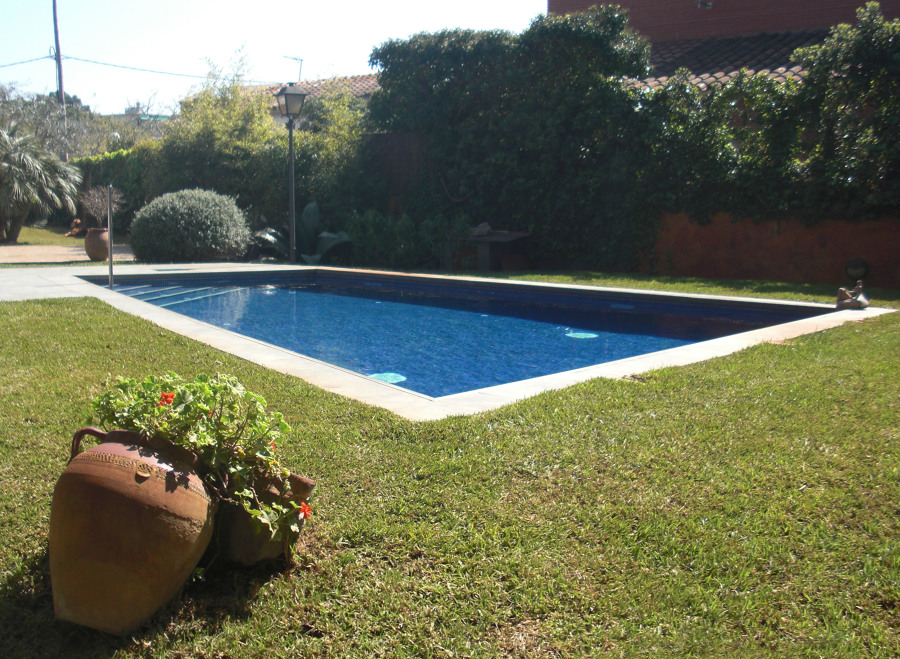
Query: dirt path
x,y
55,253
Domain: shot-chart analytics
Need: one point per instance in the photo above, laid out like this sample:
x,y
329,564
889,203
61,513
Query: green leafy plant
x,y
402,243
226,427
190,225
31,179
560,164
311,245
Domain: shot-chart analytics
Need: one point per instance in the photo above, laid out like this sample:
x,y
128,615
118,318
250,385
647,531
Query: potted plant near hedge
x,y
180,465
97,203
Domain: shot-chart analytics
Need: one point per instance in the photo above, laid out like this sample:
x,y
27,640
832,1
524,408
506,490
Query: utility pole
x,y
60,92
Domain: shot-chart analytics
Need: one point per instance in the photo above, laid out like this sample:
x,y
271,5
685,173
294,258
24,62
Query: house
x,y
714,39
361,86
717,38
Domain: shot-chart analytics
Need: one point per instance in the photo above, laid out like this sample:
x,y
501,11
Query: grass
x,y
746,505
48,236
740,287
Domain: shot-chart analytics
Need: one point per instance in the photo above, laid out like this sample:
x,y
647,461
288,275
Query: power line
x,y
133,68
27,61
164,73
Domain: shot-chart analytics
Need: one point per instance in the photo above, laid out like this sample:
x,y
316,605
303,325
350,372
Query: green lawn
x,y
748,505
56,236
48,236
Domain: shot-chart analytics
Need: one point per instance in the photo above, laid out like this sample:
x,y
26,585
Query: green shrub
x,y
381,241
190,225
559,163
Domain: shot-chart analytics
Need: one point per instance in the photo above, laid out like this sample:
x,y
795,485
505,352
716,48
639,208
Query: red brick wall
x,y
777,251
669,20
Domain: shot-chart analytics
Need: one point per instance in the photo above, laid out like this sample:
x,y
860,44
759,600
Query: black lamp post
x,y
290,102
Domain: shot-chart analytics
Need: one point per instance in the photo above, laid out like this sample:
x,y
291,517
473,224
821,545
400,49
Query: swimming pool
x,y
441,337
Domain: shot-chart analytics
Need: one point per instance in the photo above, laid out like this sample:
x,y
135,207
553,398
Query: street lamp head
x,y
290,101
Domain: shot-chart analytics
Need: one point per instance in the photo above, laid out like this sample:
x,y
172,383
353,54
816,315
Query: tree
x,y
220,141
225,139
849,110
83,133
825,147
328,144
531,130
31,178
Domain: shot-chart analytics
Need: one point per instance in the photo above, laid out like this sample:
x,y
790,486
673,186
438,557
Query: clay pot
x,y
96,244
239,539
129,522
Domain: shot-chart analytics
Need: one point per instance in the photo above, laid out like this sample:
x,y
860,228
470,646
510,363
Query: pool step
x,y
174,294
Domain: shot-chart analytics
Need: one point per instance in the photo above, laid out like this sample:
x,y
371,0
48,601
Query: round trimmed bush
x,y
190,225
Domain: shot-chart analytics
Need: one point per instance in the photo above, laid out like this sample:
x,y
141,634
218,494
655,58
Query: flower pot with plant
x,y
97,202
224,439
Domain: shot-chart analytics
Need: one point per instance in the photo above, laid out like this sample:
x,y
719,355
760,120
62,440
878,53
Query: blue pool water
x,y
439,344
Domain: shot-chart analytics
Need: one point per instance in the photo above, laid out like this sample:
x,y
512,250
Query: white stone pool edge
x,y
42,283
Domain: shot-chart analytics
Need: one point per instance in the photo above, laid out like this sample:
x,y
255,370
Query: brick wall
x,y
778,251
669,20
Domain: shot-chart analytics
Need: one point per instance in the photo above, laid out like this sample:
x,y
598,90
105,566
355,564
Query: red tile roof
x,y
362,86
716,60
713,60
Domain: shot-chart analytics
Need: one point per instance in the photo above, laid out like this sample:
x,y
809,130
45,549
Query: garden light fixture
x,y
290,102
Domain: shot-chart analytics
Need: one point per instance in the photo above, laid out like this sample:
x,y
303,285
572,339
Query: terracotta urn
x,y
96,244
240,541
130,520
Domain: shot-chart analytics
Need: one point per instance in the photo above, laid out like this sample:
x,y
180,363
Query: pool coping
x,y
42,283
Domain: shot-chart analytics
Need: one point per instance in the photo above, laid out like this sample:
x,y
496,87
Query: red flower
x,y
272,443
165,398
305,511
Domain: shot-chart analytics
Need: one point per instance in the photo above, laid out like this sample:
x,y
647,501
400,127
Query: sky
x,y
193,37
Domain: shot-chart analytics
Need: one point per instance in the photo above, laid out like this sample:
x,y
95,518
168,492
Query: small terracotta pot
x,y
96,244
130,520
239,539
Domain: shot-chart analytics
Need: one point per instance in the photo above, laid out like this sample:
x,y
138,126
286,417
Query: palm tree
x,y
31,178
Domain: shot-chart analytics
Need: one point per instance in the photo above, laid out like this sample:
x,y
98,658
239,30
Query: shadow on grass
x,y
29,628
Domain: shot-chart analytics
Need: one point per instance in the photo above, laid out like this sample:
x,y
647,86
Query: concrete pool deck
x,y
19,284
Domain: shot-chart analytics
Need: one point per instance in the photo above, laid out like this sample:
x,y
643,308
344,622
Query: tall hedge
x,y
224,139
528,132
126,170
827,147
550,131
848,145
